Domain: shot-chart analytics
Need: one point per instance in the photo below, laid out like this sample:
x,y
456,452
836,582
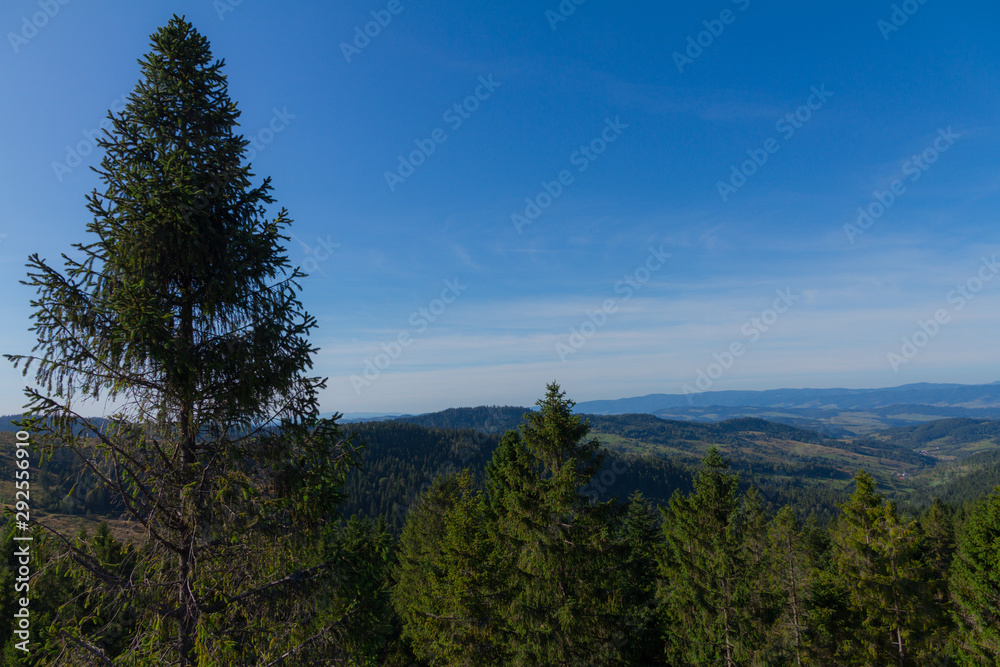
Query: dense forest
x,y
506,555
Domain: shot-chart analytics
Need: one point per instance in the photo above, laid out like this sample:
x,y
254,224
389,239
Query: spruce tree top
x,y
187,281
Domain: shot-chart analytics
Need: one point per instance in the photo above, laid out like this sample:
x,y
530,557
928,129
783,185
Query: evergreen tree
x,y
937,527
58,590
709,593
642,538
564,606
763,602
937,540
876,556
360,597
791,567
446,590
183,310
975,582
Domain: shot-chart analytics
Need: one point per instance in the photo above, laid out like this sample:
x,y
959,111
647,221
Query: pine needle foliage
x,y
182,311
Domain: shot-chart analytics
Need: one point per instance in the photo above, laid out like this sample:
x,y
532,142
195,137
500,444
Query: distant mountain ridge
x,y
922,393
486,418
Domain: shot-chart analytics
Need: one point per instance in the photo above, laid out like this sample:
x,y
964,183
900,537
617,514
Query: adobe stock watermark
x,y
957,298
752,331
83,148
31,25
381,18
419,320
786,126
223,7
899,16
581,158
75,154
714,28
596,319
454,116
914,167
22,554
318,254
562,13
280,119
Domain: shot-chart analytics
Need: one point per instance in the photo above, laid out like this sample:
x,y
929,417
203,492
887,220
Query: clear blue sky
x,y
681,115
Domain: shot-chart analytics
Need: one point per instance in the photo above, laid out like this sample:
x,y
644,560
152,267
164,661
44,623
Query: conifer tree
x,y
975,582
182,311
876,556
557,548
763,602
447,589
937,540
791,565
830,616
642,538
362,597
708,592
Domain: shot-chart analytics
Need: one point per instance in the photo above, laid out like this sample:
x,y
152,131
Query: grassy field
x,y
826,463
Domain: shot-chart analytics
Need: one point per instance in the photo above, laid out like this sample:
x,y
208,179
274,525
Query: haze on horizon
x,y
623,199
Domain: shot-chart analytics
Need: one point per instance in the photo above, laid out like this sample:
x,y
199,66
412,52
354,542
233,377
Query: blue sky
x,y
638,272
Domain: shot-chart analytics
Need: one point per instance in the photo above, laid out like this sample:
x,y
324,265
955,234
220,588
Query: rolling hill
x,y
832,412
923,393
955,458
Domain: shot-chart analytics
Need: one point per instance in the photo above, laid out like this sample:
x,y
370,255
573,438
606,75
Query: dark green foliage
x,y
943,431
401,460
361,595
450,588
527,566
790,566
61,483
715,599
877,557
937,540
975,583
624,474
668,431
641,535
807,499
975,477
64,597
492,419
563,606
182,309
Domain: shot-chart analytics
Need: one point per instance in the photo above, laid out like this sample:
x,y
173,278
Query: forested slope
x,y
400,460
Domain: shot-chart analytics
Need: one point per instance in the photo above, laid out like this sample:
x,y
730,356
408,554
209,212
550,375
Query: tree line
x,y
523,567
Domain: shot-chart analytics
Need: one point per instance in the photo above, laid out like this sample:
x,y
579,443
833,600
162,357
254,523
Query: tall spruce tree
x,y
182,310
448,589
557,549
975,582
937,539
642,541
790,566
362,600
876,555
710,593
